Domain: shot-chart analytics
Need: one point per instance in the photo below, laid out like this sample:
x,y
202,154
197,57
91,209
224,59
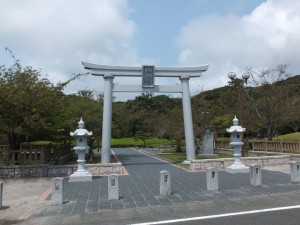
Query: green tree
x,y
222,122
30,106
89,109
272,100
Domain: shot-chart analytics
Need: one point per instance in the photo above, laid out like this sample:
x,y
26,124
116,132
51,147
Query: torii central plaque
x,y
148,78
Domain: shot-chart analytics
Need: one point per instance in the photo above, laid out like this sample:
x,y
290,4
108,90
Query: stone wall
x,y
293,157
59,170
202,165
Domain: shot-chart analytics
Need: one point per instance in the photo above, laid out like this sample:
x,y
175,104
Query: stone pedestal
x,y
295,171
81,174
57,191
212,179
81,177
113,187
165,182
237,166
255,175
1,194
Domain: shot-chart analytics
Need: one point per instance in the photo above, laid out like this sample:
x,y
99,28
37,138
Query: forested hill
x,y
41,111
280,100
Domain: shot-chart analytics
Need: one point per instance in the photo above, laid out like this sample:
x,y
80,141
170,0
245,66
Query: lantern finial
x,y
235,121
81,124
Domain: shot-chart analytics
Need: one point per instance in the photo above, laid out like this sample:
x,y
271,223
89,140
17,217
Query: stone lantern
x,y
235,135
81,135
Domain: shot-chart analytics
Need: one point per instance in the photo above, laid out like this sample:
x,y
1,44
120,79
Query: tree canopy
x,y
32,108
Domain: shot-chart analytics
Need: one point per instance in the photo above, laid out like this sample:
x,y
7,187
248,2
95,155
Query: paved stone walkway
x,y
141,187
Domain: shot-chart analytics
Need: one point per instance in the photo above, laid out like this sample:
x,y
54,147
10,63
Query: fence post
x,y
57,191
255,175
281,146
212,179
165,183
113,187
295,171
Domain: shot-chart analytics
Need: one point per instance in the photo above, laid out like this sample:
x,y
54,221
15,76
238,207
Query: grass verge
x,y
180,157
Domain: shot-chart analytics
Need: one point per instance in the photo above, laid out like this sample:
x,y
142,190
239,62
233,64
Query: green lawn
x,y
136,142
180,157
40,143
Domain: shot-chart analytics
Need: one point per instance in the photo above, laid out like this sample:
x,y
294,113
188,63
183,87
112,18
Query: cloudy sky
x,y
229,35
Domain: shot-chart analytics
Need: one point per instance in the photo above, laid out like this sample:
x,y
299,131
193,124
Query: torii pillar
x,y
187,118
107,118
148,74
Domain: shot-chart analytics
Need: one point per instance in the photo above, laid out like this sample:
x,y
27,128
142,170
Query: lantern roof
x,y
81,131
235,128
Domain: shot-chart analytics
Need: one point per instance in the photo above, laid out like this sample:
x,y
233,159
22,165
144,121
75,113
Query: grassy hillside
x,y
289,137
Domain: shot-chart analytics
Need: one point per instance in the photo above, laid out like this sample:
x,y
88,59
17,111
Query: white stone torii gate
x,y
148,74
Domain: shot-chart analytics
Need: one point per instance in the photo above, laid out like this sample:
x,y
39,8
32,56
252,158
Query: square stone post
x,y
57,191
165,183
255,175
1,194
212,179
295,171
113,187
107,118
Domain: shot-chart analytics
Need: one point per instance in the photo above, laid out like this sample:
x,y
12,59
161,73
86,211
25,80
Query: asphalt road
x,y
282,217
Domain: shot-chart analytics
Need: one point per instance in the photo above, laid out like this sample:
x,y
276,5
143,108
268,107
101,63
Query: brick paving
x,y
141,187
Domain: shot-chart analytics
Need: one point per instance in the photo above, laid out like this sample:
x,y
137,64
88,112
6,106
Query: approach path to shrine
x,y
140,201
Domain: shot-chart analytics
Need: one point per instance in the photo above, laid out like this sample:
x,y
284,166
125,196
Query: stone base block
x,y
240,168
81,177
186,162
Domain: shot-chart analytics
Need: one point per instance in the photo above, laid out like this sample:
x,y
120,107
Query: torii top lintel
x,y
132,71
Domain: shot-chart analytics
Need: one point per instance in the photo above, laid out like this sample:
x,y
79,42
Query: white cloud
x,y
57,35
264,38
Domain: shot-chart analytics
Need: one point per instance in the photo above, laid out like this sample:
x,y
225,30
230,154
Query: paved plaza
x,y
139,194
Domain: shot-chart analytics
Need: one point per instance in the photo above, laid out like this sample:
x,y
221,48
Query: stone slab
x,y
81,177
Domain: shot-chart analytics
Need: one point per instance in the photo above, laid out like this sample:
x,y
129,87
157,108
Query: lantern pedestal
x,y
81,177
81,174
237,168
